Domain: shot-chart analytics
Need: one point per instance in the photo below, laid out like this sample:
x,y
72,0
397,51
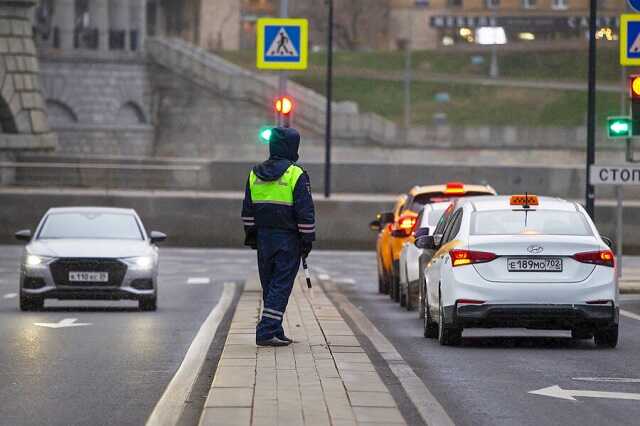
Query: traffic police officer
x,y
279,220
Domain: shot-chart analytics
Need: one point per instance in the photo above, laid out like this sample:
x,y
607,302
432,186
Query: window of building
x,y
492,4
455,3
560,4
529,4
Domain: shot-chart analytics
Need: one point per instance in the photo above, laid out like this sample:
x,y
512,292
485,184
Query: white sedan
x,y
411,256
524,262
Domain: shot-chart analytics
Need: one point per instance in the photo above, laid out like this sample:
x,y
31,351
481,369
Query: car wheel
x,y
395,283
430,326
148,304
448,335
31,303
381,285
607,338
581,334
422,296
409,301
403,297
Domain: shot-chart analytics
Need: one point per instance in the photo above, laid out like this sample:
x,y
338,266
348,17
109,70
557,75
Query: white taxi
x,y
521,261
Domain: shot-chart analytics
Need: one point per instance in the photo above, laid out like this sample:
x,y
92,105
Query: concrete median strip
x,y
324,378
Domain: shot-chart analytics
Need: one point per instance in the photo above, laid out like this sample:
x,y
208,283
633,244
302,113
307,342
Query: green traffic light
x,y
619,127
265,134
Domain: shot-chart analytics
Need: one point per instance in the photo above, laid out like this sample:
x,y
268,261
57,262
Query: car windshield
x,y
91,226
535,222
421,200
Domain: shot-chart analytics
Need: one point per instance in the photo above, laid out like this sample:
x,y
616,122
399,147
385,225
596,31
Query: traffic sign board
x,y
282,44
615,175
630,39
634,4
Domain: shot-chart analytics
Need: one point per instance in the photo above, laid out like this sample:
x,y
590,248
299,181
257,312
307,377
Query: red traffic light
x,y
634,87
284,105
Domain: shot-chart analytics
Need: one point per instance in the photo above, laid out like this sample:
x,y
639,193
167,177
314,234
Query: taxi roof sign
x,y
630,39
282,44
525,200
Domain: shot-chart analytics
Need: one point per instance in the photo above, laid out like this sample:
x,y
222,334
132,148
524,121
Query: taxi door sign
x,y
282,44
630,39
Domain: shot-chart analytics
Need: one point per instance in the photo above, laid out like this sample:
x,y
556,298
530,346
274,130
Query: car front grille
x,y
116,269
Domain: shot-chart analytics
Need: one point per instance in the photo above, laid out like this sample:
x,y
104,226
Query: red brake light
x,y
467,257
455,188
602,257
407,222
469,302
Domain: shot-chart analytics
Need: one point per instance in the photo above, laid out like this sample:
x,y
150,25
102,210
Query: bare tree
x,y
358,23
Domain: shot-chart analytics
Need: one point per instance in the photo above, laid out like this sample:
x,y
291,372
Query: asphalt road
x,y
113,371
487,380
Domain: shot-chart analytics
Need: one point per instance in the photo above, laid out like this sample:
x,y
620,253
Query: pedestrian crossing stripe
x,y
630,39
282,44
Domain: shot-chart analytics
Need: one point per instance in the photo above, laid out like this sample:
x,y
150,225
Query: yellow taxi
x,y
396,227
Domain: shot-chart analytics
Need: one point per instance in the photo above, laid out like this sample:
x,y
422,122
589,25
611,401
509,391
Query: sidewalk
x,y
325,378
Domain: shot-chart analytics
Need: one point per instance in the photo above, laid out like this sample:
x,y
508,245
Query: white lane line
x,y
431,411
198,280
344,281
169,408
629,314
607,379
10,296
64,323
324,277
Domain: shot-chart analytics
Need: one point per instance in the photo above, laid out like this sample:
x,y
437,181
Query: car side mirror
x,y
437,240
426,242
23,235
608,241
157,237
386,217
375,226
421,232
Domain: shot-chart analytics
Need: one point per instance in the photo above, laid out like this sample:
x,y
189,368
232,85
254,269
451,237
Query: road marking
x,y
629,314
10,296
557,392
324,277
431,411
198,280
344,281
607,379
65,323
169,408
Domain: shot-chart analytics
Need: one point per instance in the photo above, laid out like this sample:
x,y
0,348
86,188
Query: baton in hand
x,y
306,271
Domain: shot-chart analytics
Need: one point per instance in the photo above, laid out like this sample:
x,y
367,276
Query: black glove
x,y
250,239
307,246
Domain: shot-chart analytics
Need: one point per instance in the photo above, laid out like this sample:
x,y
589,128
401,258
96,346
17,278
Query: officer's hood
x,y
283,150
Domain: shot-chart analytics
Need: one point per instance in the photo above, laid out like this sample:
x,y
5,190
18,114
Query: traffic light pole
x,y
327,133
282,80
591,110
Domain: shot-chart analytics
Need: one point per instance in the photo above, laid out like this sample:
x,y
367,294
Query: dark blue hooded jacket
x,y
283,150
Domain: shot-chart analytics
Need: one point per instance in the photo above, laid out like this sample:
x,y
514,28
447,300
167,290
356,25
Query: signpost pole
x,y
619,226
327,133
408,76
282,80
591,110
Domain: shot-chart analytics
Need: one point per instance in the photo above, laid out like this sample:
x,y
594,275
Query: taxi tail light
x,y
601,257
468,257
406,224
454,188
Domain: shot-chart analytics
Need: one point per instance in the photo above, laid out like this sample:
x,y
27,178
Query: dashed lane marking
x,y
168,410
10,296
324,277
198,280
629,315
344,281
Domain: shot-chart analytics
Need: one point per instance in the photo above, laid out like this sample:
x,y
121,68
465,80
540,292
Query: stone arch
x,y
60,113
130,113
7,120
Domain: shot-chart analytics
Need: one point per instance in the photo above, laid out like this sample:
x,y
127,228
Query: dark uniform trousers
x,y
278,263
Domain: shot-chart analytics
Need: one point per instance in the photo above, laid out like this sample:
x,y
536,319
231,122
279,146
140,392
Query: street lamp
x,y
327,133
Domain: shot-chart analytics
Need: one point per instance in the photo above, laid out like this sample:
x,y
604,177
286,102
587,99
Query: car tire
x,y
422,297
409,300
607,338
403,297
395,283
381,284
581,334
448,335
31,303
430,326
148,305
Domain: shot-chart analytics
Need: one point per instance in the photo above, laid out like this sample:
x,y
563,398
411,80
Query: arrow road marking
x,y
10,296
557,392
197,281
65,323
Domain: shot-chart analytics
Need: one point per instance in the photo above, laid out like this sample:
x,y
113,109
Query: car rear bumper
x,y
537,316
91,294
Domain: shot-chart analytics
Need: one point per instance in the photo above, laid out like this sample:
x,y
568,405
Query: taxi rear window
x,y
421,200
534,222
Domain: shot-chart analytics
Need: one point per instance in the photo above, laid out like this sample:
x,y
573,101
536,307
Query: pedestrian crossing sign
x,y
282,44
630,39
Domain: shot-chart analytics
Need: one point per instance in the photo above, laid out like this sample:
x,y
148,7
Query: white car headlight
x,y
33,260
142,262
